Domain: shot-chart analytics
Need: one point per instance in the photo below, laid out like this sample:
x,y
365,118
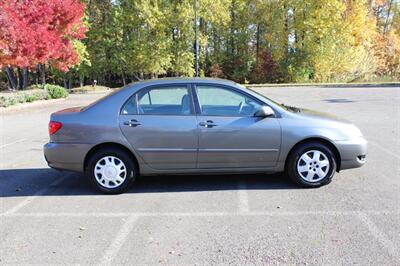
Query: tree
x,y
243,40
38,32
180,19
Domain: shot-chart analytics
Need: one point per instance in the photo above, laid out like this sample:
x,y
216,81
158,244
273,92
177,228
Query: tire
x,y
311,165
115,170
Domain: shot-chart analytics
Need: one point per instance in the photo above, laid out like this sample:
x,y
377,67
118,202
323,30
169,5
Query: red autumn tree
x,y
36,32
266,69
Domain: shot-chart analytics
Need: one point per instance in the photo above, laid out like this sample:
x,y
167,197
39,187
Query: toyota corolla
x,y
198,126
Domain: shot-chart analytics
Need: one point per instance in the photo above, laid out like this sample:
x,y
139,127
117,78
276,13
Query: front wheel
x,y
111,170
311,164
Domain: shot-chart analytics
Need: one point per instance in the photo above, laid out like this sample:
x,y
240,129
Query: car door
x,y
160,124
230,136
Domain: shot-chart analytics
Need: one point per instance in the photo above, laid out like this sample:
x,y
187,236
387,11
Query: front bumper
x,y
353,152
66,156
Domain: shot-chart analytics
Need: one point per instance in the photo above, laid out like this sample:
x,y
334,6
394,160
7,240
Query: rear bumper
x,y
352,152
66,156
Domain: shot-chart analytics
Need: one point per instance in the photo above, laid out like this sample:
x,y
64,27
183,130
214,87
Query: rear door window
x,y
170,100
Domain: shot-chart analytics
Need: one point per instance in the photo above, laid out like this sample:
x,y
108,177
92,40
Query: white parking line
x,y
384,149
243,196
201,214
12,143
380,236
118,242
29,199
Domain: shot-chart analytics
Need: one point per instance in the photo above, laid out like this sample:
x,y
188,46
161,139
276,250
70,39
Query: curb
x,y
89,92
326,85
20,106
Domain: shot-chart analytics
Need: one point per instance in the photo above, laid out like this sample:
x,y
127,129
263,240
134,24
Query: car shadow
x,y
339,100
50,182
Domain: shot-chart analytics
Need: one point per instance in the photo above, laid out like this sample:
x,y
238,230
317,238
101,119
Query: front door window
x,y
218,101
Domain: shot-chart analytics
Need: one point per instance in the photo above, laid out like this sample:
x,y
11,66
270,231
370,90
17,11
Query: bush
x,y
216,71
11,98
3,85
30,98
55,91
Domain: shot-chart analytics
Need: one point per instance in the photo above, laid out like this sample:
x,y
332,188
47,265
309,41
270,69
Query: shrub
x,y
56,91
216,71
34,93
3,85
6,101
30,98
11,98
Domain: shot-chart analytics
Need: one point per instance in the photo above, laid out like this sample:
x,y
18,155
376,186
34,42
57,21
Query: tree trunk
x,y
9,86
123,78
42,69
65,83
20,79
25,78
70,81
81,81
286,29
258,43
37,74
11,78
233,25
386,26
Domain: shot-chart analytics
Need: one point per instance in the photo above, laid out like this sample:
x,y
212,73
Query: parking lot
x,y
51,217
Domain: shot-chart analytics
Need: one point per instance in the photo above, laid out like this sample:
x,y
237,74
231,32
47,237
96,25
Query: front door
x,y
229,134
160,124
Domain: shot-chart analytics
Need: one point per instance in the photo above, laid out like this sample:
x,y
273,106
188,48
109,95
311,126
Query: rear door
x,y
160,124
229,134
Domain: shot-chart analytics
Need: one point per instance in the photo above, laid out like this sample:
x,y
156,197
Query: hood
x,y
307,113
316,119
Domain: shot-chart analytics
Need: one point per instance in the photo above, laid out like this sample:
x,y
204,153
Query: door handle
x,y
132,123
208,124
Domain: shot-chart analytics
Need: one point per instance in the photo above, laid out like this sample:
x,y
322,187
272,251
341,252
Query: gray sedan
x,y
198,126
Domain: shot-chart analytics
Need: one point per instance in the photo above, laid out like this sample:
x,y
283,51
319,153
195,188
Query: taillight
x,y
54,126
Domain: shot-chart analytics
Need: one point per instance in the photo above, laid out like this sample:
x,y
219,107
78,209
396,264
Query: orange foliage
x,y
386,51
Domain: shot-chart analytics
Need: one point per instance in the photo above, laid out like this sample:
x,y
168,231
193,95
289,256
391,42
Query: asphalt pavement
x,y
52,217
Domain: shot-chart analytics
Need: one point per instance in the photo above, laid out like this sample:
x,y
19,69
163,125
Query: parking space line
x,y
243,196
380,236
119,240
200,214
384,149
12,143
29,199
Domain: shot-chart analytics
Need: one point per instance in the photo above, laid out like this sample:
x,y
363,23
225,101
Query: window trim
x,y
161,86
222,86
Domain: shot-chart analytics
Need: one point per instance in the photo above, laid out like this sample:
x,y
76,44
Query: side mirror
x,y
264,111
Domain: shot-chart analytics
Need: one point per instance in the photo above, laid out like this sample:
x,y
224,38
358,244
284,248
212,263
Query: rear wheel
x,y
111,170
311,164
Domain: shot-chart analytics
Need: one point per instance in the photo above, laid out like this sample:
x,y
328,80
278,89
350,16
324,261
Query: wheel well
x,y
323,141
105,146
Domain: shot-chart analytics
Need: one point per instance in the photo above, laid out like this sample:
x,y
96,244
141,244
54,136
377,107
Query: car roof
x,y
123,93
162,81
